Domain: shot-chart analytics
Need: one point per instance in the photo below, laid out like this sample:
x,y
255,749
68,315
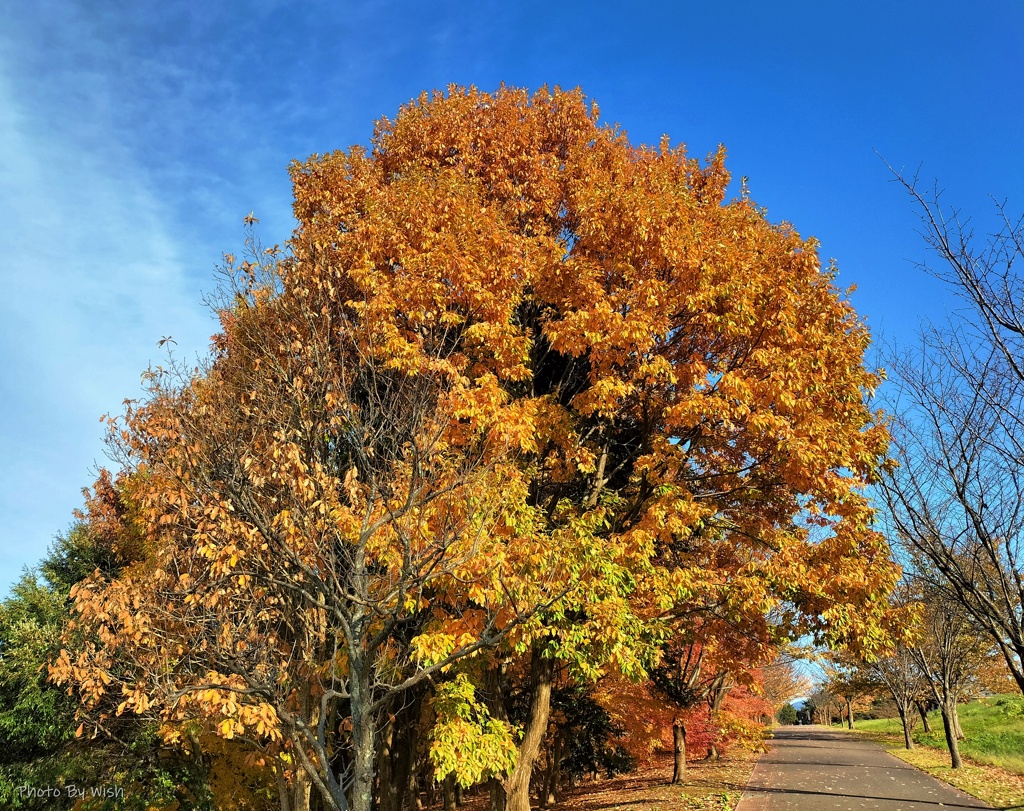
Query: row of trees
x,y
603,728
526,422
954,501
942,659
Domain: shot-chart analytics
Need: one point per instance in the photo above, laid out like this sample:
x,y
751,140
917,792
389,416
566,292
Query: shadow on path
x,y
815,769
864,797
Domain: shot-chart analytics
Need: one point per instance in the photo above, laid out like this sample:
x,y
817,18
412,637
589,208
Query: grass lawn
x,y
993,749
994,728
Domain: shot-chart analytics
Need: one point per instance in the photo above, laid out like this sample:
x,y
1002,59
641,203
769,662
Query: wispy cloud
x,y
92,277
133,139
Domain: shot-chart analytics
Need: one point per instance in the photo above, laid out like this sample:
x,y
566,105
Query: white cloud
x,y
128,156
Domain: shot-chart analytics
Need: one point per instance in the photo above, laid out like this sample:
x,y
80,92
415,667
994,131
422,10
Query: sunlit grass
x,y
994,730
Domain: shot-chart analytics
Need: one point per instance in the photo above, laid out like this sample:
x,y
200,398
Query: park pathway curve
x,y
817,769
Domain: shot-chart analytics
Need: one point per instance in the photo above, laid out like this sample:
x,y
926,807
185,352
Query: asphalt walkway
x,y
816,769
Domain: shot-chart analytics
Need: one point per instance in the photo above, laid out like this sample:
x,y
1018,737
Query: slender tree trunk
x,y
1015,671
302,791
448,792
679,752
498,797
396,777
363,749
412,792
283,793
552,794
295,794
849,714
496,703
517,785
386,785
405,768
951,739
922,710
957,729
905,720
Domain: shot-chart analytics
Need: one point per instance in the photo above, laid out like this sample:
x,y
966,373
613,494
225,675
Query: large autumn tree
x,y
517,386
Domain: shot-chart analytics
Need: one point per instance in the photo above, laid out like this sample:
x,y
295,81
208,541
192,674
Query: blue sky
x,y
135,136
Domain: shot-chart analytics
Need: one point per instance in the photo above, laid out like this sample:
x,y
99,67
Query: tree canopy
x,y
517,396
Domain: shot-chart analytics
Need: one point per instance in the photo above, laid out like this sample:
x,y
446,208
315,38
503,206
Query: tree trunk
x,y
412,793
552,793
498,798
386,785
923,712
403,769
517,785
301,791
396,780
1016,671
951,739
496,703
448,792
907,740
294,794
957,729
849,714
363,749
679,752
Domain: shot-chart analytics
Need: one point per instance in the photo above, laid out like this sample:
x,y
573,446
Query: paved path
x,y
816,769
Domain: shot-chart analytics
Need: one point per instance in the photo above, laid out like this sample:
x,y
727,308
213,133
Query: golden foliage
x,y
511,366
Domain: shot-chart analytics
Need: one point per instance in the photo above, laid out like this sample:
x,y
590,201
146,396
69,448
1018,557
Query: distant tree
x,y
900,676
848,681
786,714
688,676
822,703
781,682
950,653
809,709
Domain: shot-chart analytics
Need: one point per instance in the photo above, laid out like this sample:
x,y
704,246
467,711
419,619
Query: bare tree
x,y
956,499
847,680
947,653
901,678
782,682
